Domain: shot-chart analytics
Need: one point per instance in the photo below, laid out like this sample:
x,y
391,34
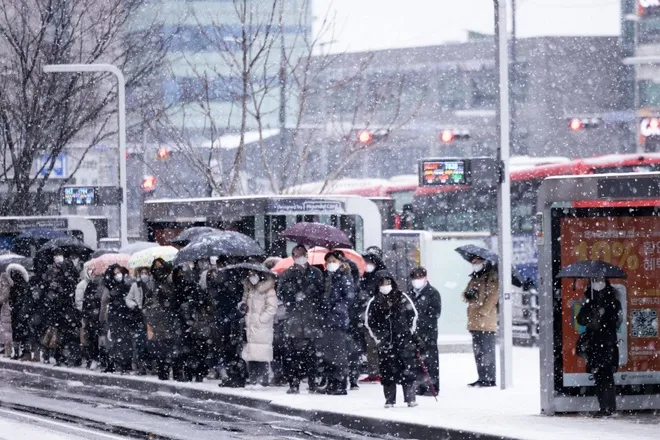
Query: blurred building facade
x,y
453,87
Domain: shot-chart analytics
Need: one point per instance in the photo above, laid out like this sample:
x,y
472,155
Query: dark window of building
x,y
483,85
649,30
649,93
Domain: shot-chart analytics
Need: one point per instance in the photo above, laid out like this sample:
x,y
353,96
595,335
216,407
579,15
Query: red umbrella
x,y
316,234
316,257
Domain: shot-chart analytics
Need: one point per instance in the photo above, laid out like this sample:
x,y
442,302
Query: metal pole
x,y
121,95
504,201
515,144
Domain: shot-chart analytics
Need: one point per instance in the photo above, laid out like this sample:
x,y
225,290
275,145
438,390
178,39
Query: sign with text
x,y
632,243
79,196
444,172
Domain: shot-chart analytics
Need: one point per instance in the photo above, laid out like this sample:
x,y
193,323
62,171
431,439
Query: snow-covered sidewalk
x,y
513,413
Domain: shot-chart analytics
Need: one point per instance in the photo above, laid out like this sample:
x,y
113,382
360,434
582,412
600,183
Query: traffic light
x,y
579,124
148,184
448,136
163,153
365,137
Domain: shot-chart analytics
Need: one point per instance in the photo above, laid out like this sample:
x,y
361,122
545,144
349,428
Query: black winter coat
x,y
59,296
601,315
392,319
301,292
429,306
337,300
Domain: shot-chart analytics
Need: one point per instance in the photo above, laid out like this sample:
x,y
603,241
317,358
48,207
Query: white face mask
x,y
254,279
385,289
598,285
145,278
477,267
214,261
300,261
419,283
332,267
119,277
370,268
58,259
75,261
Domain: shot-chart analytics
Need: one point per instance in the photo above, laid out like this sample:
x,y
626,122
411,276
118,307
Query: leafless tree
x,y
44,114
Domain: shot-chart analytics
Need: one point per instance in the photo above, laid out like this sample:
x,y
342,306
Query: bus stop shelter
x,y
612,218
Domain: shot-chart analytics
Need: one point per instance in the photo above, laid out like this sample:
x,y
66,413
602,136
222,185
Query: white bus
x,y
91,230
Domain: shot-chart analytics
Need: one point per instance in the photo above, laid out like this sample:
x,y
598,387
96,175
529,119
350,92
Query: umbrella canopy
x,y
100,264
137,247
316,257
469,251
225,243
97,253
146,257
247,267
316,234
191,234
68,245
7,259
591,269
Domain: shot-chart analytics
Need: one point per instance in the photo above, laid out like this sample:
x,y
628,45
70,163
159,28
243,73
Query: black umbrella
x,y
68,245
223,243
191,234
316,234
247,267
591,269
469,251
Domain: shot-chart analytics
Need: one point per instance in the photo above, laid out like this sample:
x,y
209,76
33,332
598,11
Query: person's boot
x,y
8,348
37,356
409,395
25,356
294,387
390,395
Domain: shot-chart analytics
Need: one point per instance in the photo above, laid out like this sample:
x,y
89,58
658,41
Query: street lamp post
x,y
121,94
504,199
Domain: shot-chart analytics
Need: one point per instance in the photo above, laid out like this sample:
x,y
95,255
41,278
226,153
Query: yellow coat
x,y
482,311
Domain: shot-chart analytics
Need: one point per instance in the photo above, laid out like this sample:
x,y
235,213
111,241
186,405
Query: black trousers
x,y
605,389
299,361
483,345
69,339
431,359
258,372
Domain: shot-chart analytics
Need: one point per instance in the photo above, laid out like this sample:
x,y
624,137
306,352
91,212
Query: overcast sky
x,y
380,24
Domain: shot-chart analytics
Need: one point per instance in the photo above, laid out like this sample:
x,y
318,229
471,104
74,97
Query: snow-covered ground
x,y
513,413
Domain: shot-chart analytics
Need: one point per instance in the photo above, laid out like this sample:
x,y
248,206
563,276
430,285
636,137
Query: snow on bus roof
x,y
254,197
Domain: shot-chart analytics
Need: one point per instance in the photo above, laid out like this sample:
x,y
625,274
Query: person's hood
x,y
166,265
383,274
15,267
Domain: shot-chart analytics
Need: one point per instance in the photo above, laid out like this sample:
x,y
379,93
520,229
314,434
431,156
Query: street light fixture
x,y
121,95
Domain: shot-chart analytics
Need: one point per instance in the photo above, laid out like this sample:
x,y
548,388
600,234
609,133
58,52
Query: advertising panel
x,y
632,242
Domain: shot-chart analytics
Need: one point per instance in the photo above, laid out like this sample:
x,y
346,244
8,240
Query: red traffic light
x,y
576,124
148,183
365,137
447,136
163,153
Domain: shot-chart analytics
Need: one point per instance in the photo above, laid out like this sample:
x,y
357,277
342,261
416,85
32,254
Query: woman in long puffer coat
x,y
259,306
391,319
119,318
15,301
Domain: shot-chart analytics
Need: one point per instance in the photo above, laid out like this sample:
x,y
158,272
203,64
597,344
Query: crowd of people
x,y
243,325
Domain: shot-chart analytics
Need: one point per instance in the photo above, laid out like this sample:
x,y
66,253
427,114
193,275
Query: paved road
x,y
121,411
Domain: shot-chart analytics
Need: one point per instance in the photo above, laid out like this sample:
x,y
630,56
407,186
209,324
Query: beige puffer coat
x,y
482,311
261,301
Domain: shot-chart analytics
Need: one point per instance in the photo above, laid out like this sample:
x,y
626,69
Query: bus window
x,y
402,198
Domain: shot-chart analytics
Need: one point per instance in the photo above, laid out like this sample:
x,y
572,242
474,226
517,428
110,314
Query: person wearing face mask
x,y
300,289
339,294
141,288
259,306
482,296
161,319
391,320
117,319
61,316
88,301
367,290
429,306
601,314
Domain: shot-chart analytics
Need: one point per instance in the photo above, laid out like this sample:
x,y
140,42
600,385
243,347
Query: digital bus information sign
x,y
79,196
444,172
